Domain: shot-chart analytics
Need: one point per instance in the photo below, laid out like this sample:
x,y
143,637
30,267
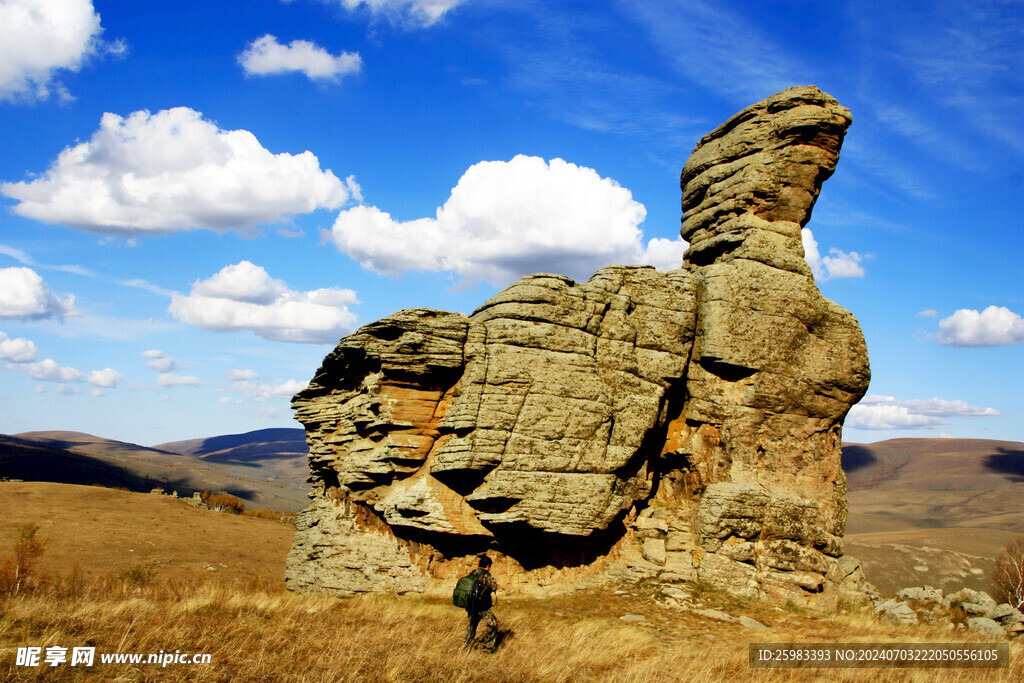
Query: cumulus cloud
x,y
25,296
995,326
40,37
927,313
241,375
505,219
261,392
18,350
838,264
173,170
161,362
244,297
169,379
49,371
107,378
405,12
876,411
265,56
665,254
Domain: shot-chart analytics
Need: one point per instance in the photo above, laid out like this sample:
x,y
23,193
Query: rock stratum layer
x,y
683,424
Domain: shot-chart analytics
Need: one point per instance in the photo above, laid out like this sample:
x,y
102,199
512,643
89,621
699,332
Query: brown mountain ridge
x,y
265,468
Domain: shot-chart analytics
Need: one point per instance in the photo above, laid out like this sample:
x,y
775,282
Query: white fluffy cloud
x,y
25,296
838,264
160,361
995,326
414,12
261,392
48,371
244,297
40,37
265,56
107,378
169,379
173,170
665,254
18,350
508,219
876,411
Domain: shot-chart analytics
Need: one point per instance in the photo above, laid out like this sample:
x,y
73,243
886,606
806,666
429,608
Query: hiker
x,y
479,608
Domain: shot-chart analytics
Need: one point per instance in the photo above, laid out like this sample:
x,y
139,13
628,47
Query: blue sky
x,y
197,201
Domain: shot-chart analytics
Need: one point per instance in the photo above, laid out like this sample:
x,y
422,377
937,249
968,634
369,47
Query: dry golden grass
x,y
106,531
253,630
256,633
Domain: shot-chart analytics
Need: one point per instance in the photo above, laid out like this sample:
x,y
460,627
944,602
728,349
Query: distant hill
x,y
258,444
280,454
933,511
922,483
278,485
33,461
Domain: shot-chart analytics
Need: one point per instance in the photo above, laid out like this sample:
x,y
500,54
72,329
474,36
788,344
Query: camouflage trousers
x,y
489,641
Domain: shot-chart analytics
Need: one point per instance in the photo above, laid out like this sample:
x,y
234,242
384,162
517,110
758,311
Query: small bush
x,y
136,575
1009,573
276,515
17,571
263,513
223,502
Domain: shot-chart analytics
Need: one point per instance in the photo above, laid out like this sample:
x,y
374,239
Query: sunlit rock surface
x,y
682,424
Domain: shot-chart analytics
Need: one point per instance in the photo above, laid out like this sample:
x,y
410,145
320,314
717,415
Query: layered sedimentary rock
x,y
685,423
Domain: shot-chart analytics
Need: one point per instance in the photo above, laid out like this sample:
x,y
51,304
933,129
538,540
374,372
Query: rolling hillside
x,y
933,511
280,452
277,487
106,531
904,484
922,511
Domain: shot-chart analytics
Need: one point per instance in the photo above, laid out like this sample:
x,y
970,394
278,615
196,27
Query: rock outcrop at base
x,y
685,424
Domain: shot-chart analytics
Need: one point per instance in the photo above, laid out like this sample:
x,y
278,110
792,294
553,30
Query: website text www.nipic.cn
x,y
55,656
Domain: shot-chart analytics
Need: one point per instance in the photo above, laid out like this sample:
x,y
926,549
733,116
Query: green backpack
x,y
464,589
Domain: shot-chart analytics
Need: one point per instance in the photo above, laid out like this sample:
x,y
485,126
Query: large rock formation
x,y
685,424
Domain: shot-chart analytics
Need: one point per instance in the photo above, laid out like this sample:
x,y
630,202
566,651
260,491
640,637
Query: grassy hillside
x,y
184,473
281,453
32,461
933,511
921,483
255,631
106,531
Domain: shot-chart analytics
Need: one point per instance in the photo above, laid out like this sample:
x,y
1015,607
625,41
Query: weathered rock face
x,y
685,423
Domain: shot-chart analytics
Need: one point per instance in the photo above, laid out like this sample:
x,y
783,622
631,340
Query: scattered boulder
x,y
751,623
673,592
926,594
715,614
1001,611
986,627
686,423
896,612
929,605
967,596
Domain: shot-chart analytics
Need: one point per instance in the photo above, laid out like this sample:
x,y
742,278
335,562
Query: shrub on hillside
x,y
1009,573
17,572
276,515
223,502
